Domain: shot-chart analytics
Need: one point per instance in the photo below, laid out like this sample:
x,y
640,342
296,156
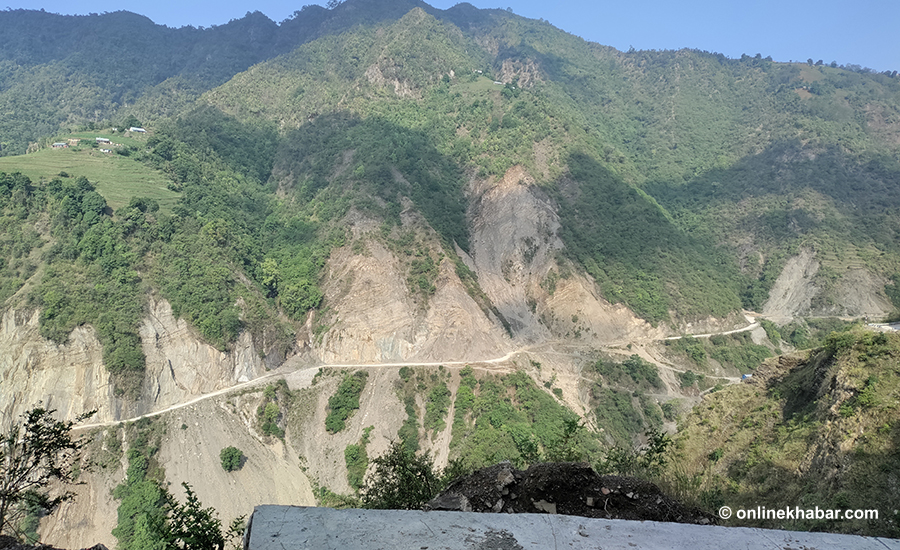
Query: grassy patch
x,y
117,178
632,373
436,408
736,351
511,418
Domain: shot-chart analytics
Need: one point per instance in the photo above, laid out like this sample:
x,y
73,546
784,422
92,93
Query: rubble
x,y
566,488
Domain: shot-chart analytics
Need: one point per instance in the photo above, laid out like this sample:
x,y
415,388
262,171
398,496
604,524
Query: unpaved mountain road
x,y
285,370
282,372
753,326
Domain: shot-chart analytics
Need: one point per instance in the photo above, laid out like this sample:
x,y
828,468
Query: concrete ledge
x,y
294,527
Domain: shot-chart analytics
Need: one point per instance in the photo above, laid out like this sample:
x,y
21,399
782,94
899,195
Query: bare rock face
x,y
180,365
9,543
373,312
794,290
515,246
69,377
323,452
862,293
375,318
794,293
72,379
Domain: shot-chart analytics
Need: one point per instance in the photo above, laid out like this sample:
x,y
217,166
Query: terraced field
x,y
116,177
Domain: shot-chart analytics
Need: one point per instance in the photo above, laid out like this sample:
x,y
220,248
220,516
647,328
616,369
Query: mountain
x,y
386,186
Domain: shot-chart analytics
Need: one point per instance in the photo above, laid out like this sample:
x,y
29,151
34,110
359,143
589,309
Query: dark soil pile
x,y
563,488
10,543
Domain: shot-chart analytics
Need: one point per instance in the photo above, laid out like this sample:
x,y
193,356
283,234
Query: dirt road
x,y
285,370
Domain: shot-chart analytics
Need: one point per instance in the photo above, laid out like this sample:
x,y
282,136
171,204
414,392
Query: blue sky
x,y
863,32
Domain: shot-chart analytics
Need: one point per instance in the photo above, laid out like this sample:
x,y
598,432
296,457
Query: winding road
x,y
475,364
280,374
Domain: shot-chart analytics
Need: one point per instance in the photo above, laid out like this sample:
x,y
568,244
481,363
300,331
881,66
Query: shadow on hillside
x,y
827,478
636,252
864,188
340,158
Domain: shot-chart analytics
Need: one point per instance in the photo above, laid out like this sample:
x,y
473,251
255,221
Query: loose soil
x,y
567,488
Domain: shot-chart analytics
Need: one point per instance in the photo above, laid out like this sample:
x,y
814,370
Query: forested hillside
x,y
683,182
705,172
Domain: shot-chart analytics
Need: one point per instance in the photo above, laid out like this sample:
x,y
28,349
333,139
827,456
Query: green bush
x,y
510,418
231,458
692,347
688,378
646,462
268,416
771,331
670,411
345,400
642,373
401,481
436,408
357,460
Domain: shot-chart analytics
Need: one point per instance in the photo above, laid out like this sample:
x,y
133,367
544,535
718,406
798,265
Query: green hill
x,y
820,430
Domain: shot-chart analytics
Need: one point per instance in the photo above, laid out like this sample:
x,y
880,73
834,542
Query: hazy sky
x,y
862,32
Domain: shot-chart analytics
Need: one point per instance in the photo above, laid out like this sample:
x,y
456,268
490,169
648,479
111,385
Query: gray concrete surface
x,y
294,527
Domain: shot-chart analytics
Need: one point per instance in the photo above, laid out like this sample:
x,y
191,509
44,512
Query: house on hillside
x,y
73,141
103,140
137,129
60,145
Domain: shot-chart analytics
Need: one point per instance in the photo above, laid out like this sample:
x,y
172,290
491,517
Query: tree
x,y
34,454
646,463
231,458
194,527
131,122
270,277
402,480
300,296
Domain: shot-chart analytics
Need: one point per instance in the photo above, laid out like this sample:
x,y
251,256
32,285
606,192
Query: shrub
x,y
401,481
670,411
232,459
436,408
357,460
646,462
268,416
688,378
346,400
